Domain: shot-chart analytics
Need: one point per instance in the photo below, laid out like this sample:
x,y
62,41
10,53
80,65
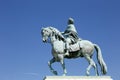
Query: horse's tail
x,y
100,59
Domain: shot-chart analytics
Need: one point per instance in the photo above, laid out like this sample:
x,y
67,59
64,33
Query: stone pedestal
x,y
77,78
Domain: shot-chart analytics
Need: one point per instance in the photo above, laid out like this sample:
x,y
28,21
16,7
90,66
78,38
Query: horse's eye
x,y
46,31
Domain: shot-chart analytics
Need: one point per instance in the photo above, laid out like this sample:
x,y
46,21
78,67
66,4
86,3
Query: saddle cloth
x,y
74,47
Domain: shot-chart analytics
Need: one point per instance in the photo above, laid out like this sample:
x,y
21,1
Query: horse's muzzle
x,y
44,40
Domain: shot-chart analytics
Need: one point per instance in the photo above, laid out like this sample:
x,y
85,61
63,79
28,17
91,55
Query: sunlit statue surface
x,y
68,45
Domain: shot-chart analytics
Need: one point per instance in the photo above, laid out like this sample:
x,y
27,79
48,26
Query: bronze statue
x,y
77,48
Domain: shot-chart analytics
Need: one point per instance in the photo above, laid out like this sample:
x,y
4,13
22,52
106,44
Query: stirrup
x,y
66,53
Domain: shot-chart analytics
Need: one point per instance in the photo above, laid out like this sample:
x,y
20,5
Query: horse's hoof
x,y
55,72
87,73
64,75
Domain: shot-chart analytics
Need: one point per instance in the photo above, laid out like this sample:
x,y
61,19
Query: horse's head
x,y
46,32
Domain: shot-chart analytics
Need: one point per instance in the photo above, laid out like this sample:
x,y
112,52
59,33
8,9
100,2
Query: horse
x,y
85,49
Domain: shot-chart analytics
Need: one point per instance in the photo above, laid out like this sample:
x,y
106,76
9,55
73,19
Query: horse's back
x,y
86,42
87,46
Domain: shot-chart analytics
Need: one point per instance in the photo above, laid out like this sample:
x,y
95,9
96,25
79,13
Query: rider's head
x,y
70,21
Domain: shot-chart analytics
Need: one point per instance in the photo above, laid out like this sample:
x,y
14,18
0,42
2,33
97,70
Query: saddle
x,y
74,47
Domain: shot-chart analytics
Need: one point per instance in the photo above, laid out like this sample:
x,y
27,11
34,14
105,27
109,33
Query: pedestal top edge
x,y
78,77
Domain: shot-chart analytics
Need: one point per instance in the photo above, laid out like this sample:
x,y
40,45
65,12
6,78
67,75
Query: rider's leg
x,y
66,48
67,41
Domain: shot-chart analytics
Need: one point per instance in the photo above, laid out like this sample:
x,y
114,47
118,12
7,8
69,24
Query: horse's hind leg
x,y
91,63
95,67
49,64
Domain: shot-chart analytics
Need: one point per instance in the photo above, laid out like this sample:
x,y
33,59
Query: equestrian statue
x,y
68,45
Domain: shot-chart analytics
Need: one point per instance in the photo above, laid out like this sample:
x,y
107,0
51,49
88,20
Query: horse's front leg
x,y
49,64
63,65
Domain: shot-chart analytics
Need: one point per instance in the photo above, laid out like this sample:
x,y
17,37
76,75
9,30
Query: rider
x,y
70,34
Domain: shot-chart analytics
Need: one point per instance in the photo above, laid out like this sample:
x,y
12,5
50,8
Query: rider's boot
x,y
66,49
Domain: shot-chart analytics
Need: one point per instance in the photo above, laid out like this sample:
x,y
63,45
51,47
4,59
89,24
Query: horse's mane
x,y
58,35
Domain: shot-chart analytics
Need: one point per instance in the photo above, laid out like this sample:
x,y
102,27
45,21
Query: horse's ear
x,y
42,28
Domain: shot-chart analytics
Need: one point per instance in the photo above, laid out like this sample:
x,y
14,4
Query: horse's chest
x,y
58,47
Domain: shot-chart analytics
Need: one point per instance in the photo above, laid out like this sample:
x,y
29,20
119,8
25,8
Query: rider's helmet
x,y
70,21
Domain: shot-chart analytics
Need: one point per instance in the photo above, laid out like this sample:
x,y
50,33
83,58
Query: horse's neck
x,y
52,38
55,30
56,34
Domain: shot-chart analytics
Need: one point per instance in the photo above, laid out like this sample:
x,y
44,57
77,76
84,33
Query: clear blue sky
x,y
23,55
